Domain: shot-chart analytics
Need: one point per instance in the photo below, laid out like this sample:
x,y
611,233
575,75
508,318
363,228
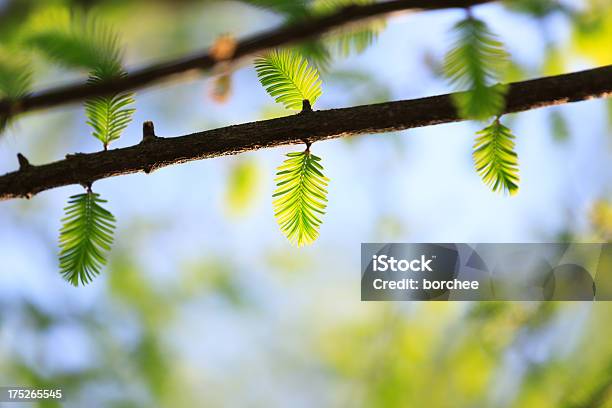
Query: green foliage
x,y
300,197
495,159
288,78
592,32
316,52
535,8
15,80
601,220
357,38
242,186
476,62
342,41
331,6
15,77
558,126
351,38
79,41
75,41
108,115
86,234
293,9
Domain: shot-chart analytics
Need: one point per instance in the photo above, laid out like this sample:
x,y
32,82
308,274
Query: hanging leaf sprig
x,y
342,41
108,116
351,38
15,80
475,64
292,9
495,159
85,238
83,42
300,197
15,76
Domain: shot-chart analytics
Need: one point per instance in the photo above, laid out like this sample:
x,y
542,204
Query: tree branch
x,y
308,28
155,152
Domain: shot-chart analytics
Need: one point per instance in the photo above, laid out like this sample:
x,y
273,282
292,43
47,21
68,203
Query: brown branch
x,y
308,28
155,152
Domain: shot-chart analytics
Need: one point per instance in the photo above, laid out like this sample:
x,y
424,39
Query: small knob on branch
x,y
306,106
148,132
24,164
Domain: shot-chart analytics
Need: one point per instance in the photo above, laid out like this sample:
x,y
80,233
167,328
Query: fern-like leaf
x,y
476,63
85,237
15,81
300,197
354,37
316,52
293,9
82,41
288,78
75,40
108,115
15,78
357,38
345,40
495,159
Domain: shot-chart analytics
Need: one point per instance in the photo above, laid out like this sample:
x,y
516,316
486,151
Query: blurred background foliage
x,y
205,304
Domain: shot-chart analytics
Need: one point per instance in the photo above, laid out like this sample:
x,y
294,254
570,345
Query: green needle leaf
x,y
293,9
108,115
355,37
74,40
476,63
288,78
15,77
80,41
345,40
15,80
300,197
495,159
85,237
